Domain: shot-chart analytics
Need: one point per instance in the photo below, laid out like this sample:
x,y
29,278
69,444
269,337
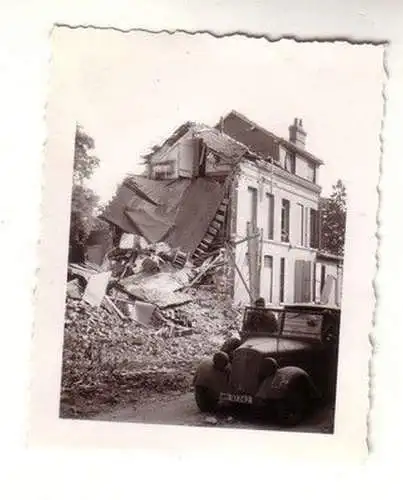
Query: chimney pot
x,y
297,133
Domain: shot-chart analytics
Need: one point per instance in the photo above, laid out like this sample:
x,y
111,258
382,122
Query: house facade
x,y
239,187
278,195
282,211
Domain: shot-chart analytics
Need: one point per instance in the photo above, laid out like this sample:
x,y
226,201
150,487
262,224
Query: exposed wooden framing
x,y
202,272
235,243
111,304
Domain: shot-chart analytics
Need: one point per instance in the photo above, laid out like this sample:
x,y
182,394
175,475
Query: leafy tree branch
x,y
333,220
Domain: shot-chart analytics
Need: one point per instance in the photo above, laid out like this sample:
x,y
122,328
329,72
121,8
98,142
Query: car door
x,y
329,360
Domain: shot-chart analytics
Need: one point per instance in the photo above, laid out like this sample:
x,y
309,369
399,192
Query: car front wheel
x,y
206,400
292,409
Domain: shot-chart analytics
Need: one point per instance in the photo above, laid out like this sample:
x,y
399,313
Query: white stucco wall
x,y
173,153
279,188
304,169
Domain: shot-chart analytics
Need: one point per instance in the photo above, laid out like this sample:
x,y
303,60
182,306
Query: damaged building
x,y
237,190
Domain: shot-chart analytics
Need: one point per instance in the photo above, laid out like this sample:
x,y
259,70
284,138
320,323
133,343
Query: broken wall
x,y
333,271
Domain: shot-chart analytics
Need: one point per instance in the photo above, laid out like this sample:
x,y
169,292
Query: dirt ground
x,y
178,408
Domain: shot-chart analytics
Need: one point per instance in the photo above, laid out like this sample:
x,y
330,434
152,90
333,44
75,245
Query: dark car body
x,y
285,369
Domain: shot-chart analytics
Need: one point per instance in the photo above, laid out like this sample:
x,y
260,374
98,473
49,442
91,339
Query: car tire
x,y
293,408
206,400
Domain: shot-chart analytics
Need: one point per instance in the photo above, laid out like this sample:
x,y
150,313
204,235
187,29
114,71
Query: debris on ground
x,y
211,420
131,330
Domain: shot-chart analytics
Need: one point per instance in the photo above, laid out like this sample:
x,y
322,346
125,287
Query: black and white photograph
x,y
212,229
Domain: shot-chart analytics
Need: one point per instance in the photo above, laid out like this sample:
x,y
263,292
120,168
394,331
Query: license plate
x,y
235,398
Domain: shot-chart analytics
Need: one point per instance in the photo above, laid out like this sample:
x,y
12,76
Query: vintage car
x,y
284,362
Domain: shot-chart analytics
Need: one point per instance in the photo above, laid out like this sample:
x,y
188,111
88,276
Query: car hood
x,y
272,345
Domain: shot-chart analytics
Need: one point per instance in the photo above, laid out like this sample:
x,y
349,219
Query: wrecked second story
x,y
197,150
235,186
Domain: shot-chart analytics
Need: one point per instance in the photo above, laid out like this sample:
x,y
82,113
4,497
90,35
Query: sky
x,y
132,90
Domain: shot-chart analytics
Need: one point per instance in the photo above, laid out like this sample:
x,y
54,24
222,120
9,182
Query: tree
x,y
333,220
84,161
84,201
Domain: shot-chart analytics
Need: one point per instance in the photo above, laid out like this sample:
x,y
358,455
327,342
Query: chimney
x,y
221,124
297,133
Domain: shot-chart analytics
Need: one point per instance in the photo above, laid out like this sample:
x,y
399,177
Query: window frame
x,y
285,217
270,221
302,221
290,162
254,206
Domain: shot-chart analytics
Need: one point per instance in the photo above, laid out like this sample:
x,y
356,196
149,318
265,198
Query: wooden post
x,y
229,250
260,257
254,259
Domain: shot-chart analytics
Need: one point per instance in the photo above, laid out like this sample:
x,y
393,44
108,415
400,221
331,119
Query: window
x,y
302,224
268,261
253,207
314,236
285,220
290,162
270,209
282,279
163,171
267,278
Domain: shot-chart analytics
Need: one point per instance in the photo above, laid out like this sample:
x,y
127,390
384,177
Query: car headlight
x,y
220,360
268,367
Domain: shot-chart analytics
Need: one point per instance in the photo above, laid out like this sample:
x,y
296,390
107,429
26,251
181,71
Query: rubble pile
x,y
212,313
118,346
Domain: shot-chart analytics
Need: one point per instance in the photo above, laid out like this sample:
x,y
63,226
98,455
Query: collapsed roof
x,y
177,211
220,143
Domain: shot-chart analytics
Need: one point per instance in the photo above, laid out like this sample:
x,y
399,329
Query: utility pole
x,y
254,259
260,258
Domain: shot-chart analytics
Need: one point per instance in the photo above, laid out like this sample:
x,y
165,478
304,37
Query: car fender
x,y
277,386
208,376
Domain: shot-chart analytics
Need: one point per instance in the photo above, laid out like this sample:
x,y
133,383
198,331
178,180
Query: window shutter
x,y
306,290
298,279
314,240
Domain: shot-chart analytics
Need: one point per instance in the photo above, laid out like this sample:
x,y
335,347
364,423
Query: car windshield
x,y
303,324
260,322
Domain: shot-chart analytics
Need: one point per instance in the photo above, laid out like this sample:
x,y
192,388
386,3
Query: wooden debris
x,y
96,288
74,290
112,307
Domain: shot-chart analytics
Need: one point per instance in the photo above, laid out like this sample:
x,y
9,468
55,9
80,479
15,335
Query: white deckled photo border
x,y
349,441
